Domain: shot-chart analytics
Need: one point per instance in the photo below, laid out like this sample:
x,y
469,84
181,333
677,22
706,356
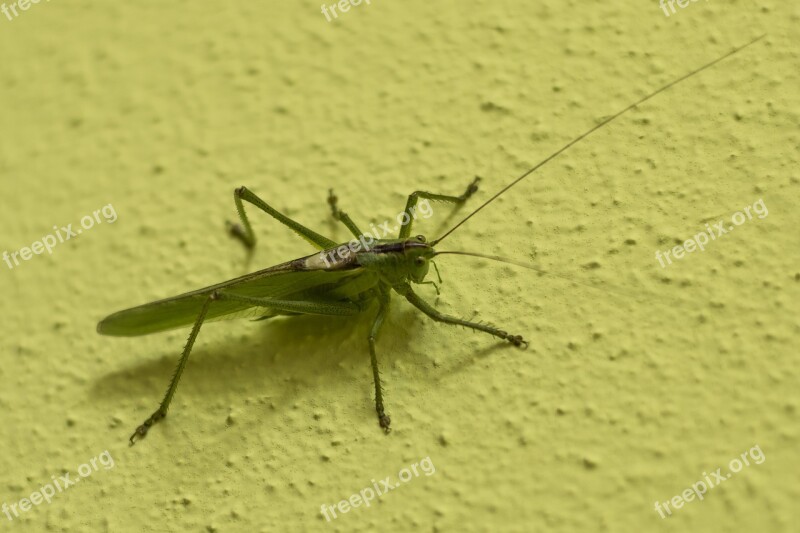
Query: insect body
x,y
308,285
314,285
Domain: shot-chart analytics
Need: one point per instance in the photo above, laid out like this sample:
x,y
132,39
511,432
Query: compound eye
x,y
420,261
421,238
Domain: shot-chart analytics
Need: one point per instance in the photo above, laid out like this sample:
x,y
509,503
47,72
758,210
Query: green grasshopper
x,y
320,284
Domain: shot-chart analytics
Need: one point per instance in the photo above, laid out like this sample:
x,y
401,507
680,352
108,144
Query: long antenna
x,y
592,130
616,291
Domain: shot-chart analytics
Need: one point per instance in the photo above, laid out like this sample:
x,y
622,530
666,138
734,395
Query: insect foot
x,y
516,340
472,188
333,201
237,232
142,430
384,421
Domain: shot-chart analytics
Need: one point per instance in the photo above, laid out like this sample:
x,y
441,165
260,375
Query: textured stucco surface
x,y
162,108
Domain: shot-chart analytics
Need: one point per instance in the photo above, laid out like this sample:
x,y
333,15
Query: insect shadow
x,y
273,358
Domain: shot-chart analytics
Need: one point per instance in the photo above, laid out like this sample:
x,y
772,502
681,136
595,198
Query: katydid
x,y
313,285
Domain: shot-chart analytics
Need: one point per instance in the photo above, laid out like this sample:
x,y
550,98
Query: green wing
x,y
280,282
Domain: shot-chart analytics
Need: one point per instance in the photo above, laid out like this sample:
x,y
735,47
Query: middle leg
x,y
383,418
429,310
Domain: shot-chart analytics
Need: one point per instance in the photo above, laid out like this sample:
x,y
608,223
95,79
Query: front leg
x,y
426,308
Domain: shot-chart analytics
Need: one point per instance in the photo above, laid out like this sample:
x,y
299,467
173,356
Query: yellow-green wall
x,y
626,395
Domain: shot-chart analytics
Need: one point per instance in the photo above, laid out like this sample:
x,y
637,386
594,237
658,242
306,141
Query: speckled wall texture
x,y
660,355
